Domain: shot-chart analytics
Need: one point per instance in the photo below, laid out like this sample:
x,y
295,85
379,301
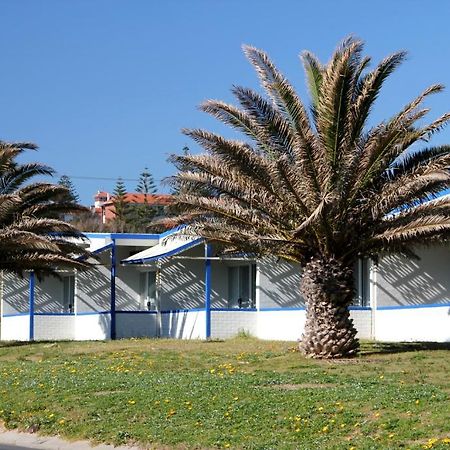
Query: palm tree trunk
x,y
327,287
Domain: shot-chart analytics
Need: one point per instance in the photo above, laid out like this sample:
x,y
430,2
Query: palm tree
x,y
319,187
31,235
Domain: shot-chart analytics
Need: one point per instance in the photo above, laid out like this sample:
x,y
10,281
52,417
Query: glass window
x,y
362,282
148,290
242,286
68,293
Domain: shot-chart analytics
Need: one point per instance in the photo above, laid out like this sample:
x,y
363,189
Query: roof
x,y
164,249
151,199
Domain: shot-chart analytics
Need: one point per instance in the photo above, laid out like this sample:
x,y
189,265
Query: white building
x,y
170,286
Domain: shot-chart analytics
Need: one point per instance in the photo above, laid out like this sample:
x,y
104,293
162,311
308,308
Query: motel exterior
x,y
169,285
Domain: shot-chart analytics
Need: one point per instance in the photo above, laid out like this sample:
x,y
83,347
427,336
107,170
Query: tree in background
x,y
120,206
141,214
31,235
319,188
72,195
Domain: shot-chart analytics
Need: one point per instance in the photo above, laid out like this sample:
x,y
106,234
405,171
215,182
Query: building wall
x,y
404,281
93,287
183,324
48,295
15,294
413,324
182,283
279,284
15,328
228,323
219,284
54,327
92,327
282,325
130,324
127,283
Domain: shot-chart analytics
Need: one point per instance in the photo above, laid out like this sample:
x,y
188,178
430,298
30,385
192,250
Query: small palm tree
x,y
319,187
31,235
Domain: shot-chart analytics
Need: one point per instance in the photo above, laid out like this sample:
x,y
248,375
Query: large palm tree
x,y
319,186
32,236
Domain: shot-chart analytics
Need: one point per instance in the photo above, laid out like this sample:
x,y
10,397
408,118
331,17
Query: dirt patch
x,y
295,387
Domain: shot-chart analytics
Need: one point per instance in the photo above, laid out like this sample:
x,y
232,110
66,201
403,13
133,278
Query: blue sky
x,y
105,86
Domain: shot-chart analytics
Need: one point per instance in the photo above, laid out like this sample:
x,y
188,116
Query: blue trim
x,y
432,305
134,236
53,314
92,313
174,311
208,254
15,314
235,309
136,312
121,235
102,249
284,309
165,255
359,308
31,305
172,231
113,289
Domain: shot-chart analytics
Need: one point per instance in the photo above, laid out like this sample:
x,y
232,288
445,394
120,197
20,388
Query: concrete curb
x,y
13,437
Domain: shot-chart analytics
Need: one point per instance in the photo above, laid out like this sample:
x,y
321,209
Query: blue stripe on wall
x,y
431,305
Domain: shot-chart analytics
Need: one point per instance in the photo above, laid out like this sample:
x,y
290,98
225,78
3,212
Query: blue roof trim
x,y
431,305
136,312
172,231
122,235
102,249
235,309
165,255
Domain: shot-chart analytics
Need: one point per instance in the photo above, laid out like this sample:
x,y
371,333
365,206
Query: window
x,y
68,293
362,283
148,290
242,286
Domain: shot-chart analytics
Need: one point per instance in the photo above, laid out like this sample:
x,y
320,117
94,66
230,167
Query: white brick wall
x,y
362,319
15,328
48,327
135,325
226,324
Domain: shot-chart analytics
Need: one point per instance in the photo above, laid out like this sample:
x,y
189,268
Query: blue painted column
x,y
208,254
31,304
113,289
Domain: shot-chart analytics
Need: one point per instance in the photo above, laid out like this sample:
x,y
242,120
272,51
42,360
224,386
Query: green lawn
x,y
241,393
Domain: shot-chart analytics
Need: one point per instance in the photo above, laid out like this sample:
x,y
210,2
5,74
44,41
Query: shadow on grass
x,y
380,348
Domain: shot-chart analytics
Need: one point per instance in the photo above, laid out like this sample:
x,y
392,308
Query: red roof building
x,y
104,202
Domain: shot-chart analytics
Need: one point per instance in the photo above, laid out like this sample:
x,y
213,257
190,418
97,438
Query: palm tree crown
x,y
32,237
318,183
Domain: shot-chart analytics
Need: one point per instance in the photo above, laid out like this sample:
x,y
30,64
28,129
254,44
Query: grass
x,y
242,393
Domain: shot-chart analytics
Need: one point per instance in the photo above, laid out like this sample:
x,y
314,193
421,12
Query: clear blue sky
x,y
104,86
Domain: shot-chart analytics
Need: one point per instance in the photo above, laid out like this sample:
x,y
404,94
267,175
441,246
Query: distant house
x,y
170,285
104,203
